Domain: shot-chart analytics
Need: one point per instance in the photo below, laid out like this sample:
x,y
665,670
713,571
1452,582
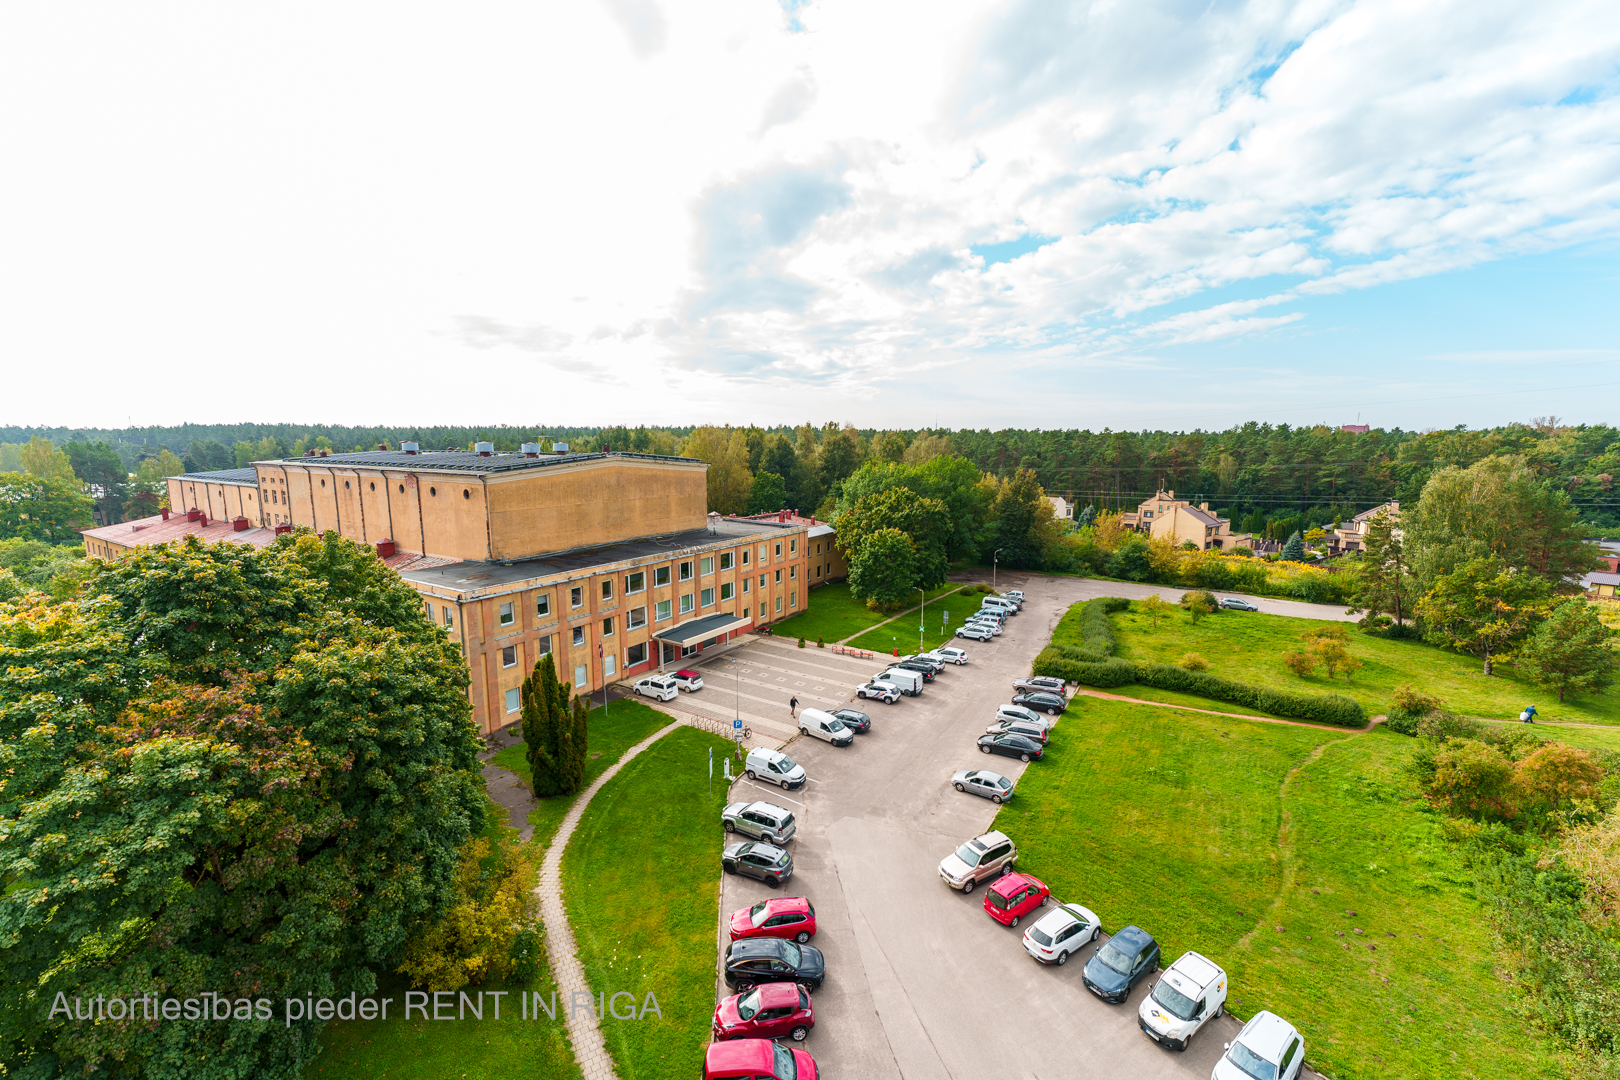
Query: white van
x,y
775,766
824,725
910,683
997,603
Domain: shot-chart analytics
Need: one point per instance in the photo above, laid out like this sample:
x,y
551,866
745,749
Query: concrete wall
x,y
221,502
591,503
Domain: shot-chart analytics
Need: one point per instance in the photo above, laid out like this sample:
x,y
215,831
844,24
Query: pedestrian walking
x,y
793,707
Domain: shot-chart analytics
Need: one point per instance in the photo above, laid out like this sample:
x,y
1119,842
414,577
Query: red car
x,y
768,1011
1013,897
789,917
756,1059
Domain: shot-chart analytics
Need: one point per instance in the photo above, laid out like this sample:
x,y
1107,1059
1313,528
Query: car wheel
x,y
729,868
750,774
804,731
1015,921
731,826
996,799
986,749
1096,931
1023,757
967,890
1062,958
1044,899
798,1033
1220,1010
802,936
960,787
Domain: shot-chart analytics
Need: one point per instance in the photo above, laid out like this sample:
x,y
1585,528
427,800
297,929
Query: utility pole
x,y
994,555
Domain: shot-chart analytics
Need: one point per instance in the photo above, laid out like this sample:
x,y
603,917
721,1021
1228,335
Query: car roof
x,y
1267,1034
762,946
751,1054
991,838
767,753
776,994
1062,916
778,905
1194,970
772,807
1133,936
1008,884
688,673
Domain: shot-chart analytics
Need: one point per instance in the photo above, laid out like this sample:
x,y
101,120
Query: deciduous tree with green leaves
x,y
1384,584
881,572
43,508
1571,652
1484,608
926,521
1155,607
768,494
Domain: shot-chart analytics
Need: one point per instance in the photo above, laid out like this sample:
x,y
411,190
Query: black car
x,y
1232,603
752,961
1008,744
927,671
1041,701
934,664
857,722
1120,963
757,859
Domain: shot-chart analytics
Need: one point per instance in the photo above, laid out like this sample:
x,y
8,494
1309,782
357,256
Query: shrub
x,y
1198,603
970,590
1438,724
490,932
801,643
1300,663
821,643
1193,662
1092,661
1333,709
1410,699
1472,780
1111,671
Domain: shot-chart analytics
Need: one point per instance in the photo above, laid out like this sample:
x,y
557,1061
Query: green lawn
x,y
902,632
833,615
610,732
1212,833
1250,646
641,881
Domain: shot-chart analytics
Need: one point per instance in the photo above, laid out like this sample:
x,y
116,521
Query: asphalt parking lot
x,y
920,981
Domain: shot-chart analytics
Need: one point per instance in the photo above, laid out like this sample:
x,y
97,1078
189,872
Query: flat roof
x,y
700,629
223,476
472,575
154,530
462,461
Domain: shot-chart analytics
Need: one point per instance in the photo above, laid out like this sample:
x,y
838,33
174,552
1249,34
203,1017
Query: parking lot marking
x,y
773,793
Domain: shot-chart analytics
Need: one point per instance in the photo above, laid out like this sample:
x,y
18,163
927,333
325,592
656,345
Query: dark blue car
x,y
1120,963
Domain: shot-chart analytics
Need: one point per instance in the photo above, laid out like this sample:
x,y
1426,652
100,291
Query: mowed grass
x,y
609,732
902,632
641,882
1250,645
833,615
1211,833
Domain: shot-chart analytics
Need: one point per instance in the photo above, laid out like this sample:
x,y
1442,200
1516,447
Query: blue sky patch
x,y
1008,250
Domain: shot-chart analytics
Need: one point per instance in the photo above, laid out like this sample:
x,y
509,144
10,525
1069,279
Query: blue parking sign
x,y
736,725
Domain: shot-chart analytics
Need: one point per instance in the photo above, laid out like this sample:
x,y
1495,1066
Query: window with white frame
x,y
762,609
582,676
762,581
449,618
686,570
509,656
779,605
779,549
661,610
543,646
636,582
793,546
745,556
508,613
708,598
542,604
687,604
608,665
513,701
793,599
747,582
607,588
779,577
726,591
661,575
725,560
635,654
576,596
607,627
793,573
764,552
579,636
638,618
706,565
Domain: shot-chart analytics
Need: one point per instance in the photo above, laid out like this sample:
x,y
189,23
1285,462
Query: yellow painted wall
x,y
591,503
453,516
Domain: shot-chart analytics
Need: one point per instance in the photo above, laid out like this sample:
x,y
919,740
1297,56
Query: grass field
x,y
1211,834
902,632
610,732
1250,646
834,615
641,881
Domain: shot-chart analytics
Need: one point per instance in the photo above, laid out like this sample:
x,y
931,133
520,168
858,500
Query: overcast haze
x,y
902,215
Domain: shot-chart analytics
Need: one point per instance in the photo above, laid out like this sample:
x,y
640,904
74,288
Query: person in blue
x,y
1528,716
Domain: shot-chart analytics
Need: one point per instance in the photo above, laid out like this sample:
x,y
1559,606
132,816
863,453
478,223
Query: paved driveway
x,y
921,983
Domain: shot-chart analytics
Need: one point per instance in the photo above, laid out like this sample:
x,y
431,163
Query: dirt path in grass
x,y
1233,715
1285,842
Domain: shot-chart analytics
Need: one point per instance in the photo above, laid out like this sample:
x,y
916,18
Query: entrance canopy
x,y
695,630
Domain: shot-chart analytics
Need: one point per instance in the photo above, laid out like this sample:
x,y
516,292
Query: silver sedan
x,y
984,783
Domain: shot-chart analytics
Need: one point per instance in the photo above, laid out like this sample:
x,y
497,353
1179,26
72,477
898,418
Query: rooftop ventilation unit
x,y
531,449
485,449
559,448
410,448
240,524
386,549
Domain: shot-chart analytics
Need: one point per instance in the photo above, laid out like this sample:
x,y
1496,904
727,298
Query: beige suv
x,y
984,858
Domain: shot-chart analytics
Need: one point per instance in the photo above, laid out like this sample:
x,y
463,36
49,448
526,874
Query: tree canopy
x,y
43,508
1484,608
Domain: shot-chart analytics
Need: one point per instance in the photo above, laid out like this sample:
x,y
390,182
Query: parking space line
x,y
773,794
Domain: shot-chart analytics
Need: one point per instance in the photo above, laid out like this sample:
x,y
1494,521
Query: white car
x,y
660,687
688,680
1015,594
1190,993
989,626
949,654
886,692
1022,715
984,783
1268,1045
1061,932
975,633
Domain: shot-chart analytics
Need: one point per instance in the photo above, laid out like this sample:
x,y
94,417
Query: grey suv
x,y
984,858
756,859
761,820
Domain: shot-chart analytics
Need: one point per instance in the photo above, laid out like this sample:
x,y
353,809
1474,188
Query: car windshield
x,y
1041,936
1117,958
790,953
783,1067
1003,783
835,724
759,913
748,1007
1251,1062
1173,1001
786,764
969,854
996,900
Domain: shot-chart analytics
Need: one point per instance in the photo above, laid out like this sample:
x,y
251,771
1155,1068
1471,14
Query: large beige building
x,y
1180,522
609,561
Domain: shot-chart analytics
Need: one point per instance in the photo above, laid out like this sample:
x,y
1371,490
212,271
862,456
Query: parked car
x,y
886,692
1018,712
658,687
990,627
983,858
780,916
761,820
756,1059
984,783
752,961
1042,702
1009,745
1060,933
1190,993
1268,1045
934,662
1014,896
1037,732
1234,603
950,654
1036,684
857,722
926,670
689,680
824,726
909,683
757,859
775,766
1015,594
975,633
778,1010
998,603
1123,961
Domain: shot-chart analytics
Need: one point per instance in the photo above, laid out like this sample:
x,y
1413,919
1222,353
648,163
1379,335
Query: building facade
x,y
1180,522
1352,535
828,561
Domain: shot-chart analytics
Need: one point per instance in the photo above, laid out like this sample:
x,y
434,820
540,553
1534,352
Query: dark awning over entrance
x,y
695,630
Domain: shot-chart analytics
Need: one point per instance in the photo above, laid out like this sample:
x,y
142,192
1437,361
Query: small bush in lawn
x,y
821,643
1193,662
1300,663
970,590
801,643
1411,706
1440,724
1198,603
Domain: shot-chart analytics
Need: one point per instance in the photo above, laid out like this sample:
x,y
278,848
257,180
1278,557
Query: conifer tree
x,y
545,715
1570,652
577,745
1294,549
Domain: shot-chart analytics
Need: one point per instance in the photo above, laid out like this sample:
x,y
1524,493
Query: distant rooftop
x,y
224,476
464,461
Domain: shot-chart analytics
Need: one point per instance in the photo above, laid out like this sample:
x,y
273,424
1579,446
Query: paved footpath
x,y
589,1048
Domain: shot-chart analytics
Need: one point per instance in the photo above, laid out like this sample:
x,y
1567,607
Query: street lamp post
x,y
994,555
736,701
921,617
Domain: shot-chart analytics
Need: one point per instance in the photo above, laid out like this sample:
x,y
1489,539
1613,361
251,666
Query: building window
x,y
747,582
429,610
779,577
635,654
607,588
726,591
745,556
762,581
793,599
725,560
793,573
638,618
707,566
661,575
449,618
508,614
513,703
779,549
544,645
579,636
779,605
764,552
686,604
509,656
708,598
686,571
636,582
582,676
762,609
818,571
661,610
793,546
542,603
818,549
608,665
576,596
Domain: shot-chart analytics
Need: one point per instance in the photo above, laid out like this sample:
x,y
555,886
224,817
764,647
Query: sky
x,y
900,215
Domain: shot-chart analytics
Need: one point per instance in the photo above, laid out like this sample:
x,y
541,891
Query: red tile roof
x,y
154,530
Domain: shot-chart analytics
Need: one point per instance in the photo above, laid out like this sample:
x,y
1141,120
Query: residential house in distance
x,y
1179,521
828,562
1352,535
1062,508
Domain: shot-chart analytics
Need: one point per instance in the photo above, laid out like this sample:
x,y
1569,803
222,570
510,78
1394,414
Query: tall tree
x,y
1020,509
768,494
1384,584
1571,652
41,458
43,508
926,521
547,728
890,446
104,476
1483,608
726,451
780,458
882,571
841,454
